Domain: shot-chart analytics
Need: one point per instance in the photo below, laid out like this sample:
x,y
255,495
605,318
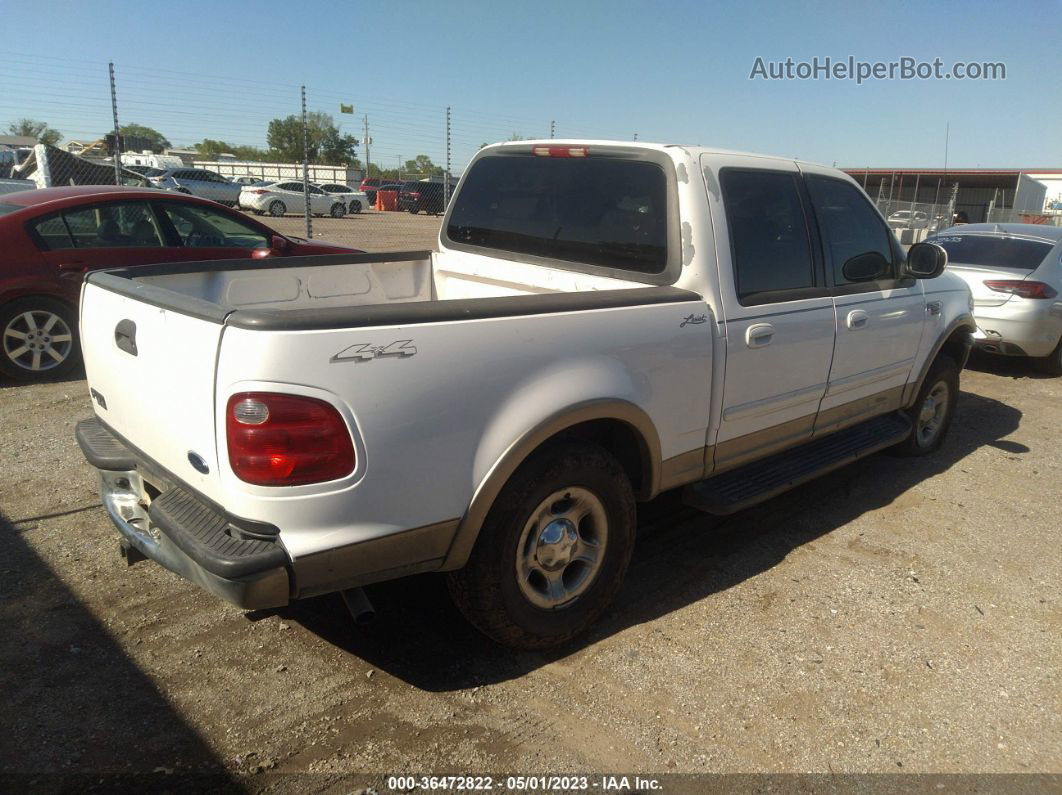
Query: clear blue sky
x,y
675,72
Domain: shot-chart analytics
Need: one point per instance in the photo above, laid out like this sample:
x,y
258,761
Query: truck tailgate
x,y
151,376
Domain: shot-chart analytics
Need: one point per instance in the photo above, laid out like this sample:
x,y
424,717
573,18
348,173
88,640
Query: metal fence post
x,y
306,169
552,129
117,138
446,176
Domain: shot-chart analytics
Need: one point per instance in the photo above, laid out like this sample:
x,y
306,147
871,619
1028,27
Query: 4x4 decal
x,y
366,351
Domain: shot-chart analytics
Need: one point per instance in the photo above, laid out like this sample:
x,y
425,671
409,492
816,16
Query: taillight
x,y
259,191
414,195
1021,288
286,440
560,151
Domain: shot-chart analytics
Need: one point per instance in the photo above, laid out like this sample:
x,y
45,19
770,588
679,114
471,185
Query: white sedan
x,y
282,198
355,200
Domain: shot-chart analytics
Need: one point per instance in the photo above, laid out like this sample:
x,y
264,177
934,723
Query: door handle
x,y
75,266
857,319
125,336
759,335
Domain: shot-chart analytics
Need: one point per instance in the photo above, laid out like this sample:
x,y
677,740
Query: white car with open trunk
x,y
603,321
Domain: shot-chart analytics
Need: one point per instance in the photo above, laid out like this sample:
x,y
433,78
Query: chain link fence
x,y
373,173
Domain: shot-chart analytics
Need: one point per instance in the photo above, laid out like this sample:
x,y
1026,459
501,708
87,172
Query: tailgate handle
x,y
125,336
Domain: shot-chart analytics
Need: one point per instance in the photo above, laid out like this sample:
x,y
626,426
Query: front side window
x,y
203,227
768,234
605,212
857,242
119,225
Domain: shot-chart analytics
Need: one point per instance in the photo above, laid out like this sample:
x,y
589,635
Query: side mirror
x,y
926,261
278,244
866,267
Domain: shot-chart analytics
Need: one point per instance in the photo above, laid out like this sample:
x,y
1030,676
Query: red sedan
x,y
49,238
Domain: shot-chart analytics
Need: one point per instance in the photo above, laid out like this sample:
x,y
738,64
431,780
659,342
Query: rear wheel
x,y
277,208
553,549
1052,363
355,207
413,210
932,410
39,339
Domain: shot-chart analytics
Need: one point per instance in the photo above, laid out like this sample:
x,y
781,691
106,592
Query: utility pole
x,y
306,169
446,176
367,144
117,138
552,129
636,136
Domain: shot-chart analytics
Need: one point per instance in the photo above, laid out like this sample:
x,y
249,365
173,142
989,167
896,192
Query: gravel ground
x,y
896,616
370,230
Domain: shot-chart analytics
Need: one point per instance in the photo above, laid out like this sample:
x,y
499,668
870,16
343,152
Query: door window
x,y
203,227
120,225
768,235
51,233
855,238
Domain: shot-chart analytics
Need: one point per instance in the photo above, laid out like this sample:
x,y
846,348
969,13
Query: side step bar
x,y
753,483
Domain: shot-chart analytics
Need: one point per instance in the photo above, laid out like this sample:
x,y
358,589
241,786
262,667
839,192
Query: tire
x,y
338,211
932,410
532,595
1052,363
277,208
38,339
355,207
413,211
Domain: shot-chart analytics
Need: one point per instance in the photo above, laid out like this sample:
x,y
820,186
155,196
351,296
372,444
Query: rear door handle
x,y
78,267
125,336
759,335
857,319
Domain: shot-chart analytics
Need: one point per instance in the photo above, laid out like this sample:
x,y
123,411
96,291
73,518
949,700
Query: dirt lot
x,y
371,230
898,615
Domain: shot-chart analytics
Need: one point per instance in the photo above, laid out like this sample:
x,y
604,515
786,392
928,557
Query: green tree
x,y
155,140
210,148
423,166
36,129
326,145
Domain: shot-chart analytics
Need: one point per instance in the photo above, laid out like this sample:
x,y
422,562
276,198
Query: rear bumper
x,y
1019,327
241,562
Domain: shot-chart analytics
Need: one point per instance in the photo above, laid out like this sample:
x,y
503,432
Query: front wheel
x,y
553,549
277,208
39,339
932,410
338,210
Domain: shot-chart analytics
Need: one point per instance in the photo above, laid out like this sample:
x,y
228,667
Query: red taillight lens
x,y
1022,289
259,191
286,440
560,151
414,195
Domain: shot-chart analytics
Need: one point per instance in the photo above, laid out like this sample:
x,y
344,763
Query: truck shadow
x,y
79,714
681,556
1005,366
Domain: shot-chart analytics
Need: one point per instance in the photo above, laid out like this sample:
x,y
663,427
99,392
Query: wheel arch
x,y
617,425
956,342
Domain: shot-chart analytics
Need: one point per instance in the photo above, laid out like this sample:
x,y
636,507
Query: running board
x,y
741,488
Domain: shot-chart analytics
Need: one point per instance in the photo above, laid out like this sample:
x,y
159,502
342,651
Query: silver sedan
x,y
1015,274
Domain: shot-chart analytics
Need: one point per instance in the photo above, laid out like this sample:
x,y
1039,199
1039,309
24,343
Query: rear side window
x,y
768,234
850,228
605,212
52,233
120,225
1009,253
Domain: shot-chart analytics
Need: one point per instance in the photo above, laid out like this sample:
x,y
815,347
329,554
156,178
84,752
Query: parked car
x,y
354,200
426,197
245,181
53,236
592,331
909,219
198,182
1015,274
369,186
283,198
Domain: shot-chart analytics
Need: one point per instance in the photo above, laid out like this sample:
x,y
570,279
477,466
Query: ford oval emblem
x,y
198,463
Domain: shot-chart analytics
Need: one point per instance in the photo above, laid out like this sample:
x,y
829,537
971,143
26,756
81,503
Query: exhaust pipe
x,y
361,609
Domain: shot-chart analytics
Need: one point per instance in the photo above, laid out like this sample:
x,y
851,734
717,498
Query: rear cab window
x,y
612,214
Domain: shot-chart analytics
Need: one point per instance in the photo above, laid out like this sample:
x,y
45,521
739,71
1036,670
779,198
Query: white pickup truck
x,y
602,322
